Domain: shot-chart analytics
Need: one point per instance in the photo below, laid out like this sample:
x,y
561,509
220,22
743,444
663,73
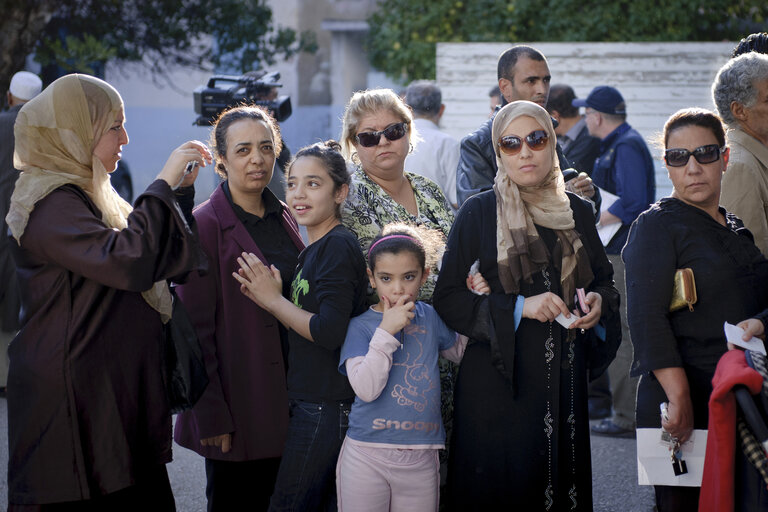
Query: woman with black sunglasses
x,y
521,426
377,135
677,350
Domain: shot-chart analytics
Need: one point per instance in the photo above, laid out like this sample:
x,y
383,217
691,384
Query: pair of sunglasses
x,y
370,139
512,144
678,157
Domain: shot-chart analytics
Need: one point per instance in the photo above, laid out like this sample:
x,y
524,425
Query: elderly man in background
x,y
740,92
437,155
24,86
580,148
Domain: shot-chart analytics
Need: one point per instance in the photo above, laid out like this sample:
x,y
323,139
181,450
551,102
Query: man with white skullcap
x,y
24,86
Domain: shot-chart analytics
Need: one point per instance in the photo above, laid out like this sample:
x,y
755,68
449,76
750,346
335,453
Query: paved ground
x,y
614,475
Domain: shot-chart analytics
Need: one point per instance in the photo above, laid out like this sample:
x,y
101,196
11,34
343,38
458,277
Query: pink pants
x,y
386,479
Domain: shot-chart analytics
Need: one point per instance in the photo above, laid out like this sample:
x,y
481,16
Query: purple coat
x,y
247,393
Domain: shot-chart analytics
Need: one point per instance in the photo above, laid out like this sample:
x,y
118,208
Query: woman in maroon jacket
x,y
239,425
88,419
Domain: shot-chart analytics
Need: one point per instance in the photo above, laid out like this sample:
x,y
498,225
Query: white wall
x,y
656,79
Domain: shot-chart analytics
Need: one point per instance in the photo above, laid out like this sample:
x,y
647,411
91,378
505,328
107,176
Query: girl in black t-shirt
x,y
328,288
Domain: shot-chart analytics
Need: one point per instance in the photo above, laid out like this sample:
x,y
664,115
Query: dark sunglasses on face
x,y
512,144
392,132
678,157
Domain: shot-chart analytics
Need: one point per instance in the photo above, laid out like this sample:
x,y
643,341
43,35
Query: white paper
x,y
608,200
606,232
734,333
654,463
474,269
566,322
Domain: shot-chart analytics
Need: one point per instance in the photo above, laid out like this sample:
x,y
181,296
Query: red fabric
x,y
717,483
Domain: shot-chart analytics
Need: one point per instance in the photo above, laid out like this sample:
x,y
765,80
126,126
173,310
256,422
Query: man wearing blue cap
x,y
625,169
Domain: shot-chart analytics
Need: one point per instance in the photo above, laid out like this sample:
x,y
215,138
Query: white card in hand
x,y
733,334
566,322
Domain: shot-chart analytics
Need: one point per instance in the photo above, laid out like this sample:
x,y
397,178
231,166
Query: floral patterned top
x,y
368,208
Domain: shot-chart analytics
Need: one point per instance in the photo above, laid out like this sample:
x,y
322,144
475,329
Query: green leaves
x,y
162,32
75,54
403,33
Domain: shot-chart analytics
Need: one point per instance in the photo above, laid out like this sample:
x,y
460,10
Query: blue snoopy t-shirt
x,y
408,409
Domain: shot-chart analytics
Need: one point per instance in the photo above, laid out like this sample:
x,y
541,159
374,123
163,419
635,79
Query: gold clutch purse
x,y
684,290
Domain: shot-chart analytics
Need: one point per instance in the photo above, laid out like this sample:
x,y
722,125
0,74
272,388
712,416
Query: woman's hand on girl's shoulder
x,y
544,307
595,302
397,315
257,282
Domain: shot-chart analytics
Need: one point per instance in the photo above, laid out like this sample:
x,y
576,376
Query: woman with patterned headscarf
x,y
88,418
521,432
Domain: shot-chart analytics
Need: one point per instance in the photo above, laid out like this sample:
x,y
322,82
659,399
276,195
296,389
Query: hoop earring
x,y
410,148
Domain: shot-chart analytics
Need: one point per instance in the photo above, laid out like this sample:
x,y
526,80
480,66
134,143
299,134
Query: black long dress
x,y
520,440
731,278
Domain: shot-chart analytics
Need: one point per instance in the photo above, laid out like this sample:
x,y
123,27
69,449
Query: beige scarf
x,y
55,134
520,251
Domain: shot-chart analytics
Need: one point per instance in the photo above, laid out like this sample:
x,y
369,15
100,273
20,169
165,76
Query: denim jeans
x,y
306,479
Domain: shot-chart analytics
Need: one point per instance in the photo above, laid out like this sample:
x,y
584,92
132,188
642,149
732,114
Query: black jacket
x,y
583,151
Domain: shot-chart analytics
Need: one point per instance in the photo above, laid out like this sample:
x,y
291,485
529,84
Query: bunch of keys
x,y
678,464
676,450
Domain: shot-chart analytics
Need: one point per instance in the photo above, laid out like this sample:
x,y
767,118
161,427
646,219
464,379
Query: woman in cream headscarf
x,y
521,433
88,418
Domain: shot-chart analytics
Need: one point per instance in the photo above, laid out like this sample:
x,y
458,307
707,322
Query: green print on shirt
x,y
298,286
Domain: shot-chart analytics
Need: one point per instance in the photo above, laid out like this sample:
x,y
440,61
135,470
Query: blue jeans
x,y
306,479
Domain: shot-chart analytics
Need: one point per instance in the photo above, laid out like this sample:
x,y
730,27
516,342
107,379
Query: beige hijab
x,y
520,250
56,133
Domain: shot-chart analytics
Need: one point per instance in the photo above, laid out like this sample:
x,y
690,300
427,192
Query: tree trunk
x,y
21,25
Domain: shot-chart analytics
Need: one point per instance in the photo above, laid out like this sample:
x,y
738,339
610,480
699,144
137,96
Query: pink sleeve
x,y
368,374
456,352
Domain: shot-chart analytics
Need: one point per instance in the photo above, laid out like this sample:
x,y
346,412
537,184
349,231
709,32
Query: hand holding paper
x,y
733,334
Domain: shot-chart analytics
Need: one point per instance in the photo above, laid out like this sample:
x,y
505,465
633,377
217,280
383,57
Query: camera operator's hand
x,y
173,170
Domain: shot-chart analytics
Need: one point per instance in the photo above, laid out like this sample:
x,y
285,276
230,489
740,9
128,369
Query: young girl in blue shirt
x,y
389,458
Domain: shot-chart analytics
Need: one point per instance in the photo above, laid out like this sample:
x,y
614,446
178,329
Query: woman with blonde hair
x,y
377,135
89,426
521,428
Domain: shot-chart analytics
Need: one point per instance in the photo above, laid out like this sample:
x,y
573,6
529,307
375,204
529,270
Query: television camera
x,y
224,91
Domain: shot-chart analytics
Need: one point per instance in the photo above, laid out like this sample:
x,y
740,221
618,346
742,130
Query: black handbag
x,y
185,374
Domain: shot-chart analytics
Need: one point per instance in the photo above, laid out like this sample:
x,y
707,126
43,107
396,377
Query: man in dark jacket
x,y
579,147
523,75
